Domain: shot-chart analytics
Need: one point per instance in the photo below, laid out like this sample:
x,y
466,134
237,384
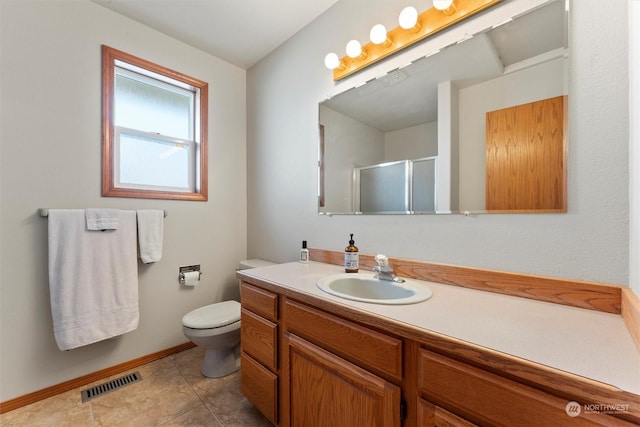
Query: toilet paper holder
x,y
188,269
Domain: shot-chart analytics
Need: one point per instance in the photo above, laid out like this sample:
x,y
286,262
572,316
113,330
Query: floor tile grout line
x,y
216,417
173,361
93,419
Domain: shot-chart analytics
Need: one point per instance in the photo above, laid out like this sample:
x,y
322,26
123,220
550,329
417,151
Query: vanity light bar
x,y
429,22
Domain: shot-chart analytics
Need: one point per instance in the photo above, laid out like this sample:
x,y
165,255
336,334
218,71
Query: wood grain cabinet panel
x,y
259,301
259,386
526,157
430,415
488,399
326,390
258,338
373,350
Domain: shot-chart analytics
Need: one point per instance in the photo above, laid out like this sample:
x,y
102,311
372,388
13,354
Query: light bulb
x,y
408,17
378,34
331,61
354,49
442,4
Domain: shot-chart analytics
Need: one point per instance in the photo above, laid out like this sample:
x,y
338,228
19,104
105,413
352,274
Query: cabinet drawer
x,y
259,301
258,338
259,386
366,347
488,399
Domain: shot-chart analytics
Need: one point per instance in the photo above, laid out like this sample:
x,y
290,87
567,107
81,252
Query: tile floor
x,y
172,393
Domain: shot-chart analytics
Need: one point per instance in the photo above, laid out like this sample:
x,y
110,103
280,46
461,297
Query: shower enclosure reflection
x,y
406,186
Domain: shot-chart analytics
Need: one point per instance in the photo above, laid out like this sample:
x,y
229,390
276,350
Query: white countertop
x,y
588,343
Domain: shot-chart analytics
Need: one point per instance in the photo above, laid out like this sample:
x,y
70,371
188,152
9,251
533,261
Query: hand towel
x,y
150,233
102,219
93,278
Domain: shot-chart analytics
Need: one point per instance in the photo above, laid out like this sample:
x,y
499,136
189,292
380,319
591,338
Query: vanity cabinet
x,y
259,345
308,362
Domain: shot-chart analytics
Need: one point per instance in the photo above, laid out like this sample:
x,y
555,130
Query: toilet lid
x,y
213,315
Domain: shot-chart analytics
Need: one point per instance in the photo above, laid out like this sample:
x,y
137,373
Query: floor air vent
x,y
112,385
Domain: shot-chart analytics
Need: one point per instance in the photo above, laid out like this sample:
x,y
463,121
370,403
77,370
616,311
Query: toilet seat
x,y
213,316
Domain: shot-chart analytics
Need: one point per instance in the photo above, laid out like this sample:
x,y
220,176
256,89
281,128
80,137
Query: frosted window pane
x,y
147,161
382,188
424,185
148,108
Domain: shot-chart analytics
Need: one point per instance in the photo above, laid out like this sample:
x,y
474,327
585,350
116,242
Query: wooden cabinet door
x,y
326,390
526,157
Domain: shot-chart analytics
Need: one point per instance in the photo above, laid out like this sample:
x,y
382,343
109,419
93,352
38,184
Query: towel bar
x,y
44,212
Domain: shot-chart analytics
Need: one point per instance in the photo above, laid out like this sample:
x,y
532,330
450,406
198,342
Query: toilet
x,y
216,328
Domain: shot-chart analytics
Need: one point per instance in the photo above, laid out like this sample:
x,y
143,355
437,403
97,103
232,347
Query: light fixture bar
x,y
431,22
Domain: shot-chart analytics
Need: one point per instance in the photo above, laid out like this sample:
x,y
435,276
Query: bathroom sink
x,y
364,287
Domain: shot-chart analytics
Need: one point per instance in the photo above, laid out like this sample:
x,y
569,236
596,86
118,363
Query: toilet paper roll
x,y
191,278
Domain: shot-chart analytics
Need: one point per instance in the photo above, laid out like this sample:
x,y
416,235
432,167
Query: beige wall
x,y
590,242
50,157
414,142
634,145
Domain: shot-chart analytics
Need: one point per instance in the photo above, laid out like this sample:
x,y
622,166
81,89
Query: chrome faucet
x,y
384,271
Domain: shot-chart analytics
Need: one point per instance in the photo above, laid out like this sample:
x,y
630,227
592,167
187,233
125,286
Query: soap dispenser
x,y
304,252
351,261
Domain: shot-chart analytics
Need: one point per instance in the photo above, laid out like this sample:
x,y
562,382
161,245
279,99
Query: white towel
x,y
93,278
102,219
150,232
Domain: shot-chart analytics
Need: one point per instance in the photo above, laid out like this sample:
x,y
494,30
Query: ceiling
x,y
241,32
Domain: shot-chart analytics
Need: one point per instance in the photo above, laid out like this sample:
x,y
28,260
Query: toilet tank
x,y
253,263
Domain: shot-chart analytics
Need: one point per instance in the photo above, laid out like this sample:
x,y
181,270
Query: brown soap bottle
x,y
351,261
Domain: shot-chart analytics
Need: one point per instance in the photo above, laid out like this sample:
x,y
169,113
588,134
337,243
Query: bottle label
x,y
351,260
304,256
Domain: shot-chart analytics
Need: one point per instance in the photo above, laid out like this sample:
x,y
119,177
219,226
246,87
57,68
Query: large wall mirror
x,y
479,126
